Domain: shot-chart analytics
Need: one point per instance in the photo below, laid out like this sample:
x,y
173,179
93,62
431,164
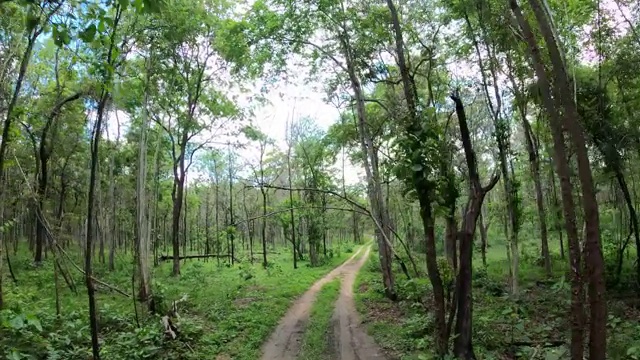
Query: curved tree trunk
x,y
564,173
594,261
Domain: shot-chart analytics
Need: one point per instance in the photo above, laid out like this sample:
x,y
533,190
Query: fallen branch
x,y
542,344
184,257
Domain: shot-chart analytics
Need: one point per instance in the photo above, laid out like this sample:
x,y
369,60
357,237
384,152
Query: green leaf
x,y
87,35
33,321
61,36
17,322
416,167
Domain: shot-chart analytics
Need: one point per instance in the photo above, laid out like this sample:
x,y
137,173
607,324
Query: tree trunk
x,y
420,185
231,230
594,261
374,189
112,218
451,238
463,345
534,166
566,187
93,314
142,238
633,217
178,198
534,163
4,141
483,239
291,214
502,140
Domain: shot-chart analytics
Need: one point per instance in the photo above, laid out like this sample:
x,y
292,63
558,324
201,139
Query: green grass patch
x,y
230,310
317,343
404,329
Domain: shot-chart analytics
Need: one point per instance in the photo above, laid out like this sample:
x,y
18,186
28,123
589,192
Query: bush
x,y
413,290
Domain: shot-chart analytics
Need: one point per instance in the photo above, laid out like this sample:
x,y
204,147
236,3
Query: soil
x,y
350,341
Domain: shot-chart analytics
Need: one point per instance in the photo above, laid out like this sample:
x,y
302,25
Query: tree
x,y
190,107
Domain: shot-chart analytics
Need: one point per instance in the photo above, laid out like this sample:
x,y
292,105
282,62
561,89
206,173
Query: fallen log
x,y
543,344
184,257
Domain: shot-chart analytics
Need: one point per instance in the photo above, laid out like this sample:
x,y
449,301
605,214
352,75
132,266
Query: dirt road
x,y
351,342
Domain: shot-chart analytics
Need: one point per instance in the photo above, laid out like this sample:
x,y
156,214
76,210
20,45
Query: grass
x,y
317,343
230,311
404,329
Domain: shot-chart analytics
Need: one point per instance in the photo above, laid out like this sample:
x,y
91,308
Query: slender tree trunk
x,y
231,233
372,173
142,238
175,223
413,130
564,173
451,238
291,213
185,217
594,261
534,165
264,227
112,217
502,139
93,314
463,346
483,239
4,141
633,218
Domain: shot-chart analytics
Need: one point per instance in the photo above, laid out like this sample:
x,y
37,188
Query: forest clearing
x,y
319,179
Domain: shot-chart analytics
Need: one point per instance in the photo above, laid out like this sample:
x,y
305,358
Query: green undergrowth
x,y
229,311
533,326
318,340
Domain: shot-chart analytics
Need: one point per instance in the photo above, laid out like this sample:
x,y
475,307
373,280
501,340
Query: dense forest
x,y
147,211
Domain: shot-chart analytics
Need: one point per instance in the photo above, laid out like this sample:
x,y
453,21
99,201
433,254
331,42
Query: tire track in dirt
x,y
352,342
284,342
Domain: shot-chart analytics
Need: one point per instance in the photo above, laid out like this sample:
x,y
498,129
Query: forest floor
x,y
533,325
229,313
346,340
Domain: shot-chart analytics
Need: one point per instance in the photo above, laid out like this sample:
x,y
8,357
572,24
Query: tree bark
x,y
463,345
566,187
374,189
502,140
483,239
142,238
594,261
291,214
534,166
420,184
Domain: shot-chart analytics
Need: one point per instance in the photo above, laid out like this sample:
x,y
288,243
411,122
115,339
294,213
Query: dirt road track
x,y
352,343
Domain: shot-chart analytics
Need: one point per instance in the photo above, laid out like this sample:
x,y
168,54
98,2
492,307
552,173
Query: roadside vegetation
x,y
532,326
228,312
174,172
